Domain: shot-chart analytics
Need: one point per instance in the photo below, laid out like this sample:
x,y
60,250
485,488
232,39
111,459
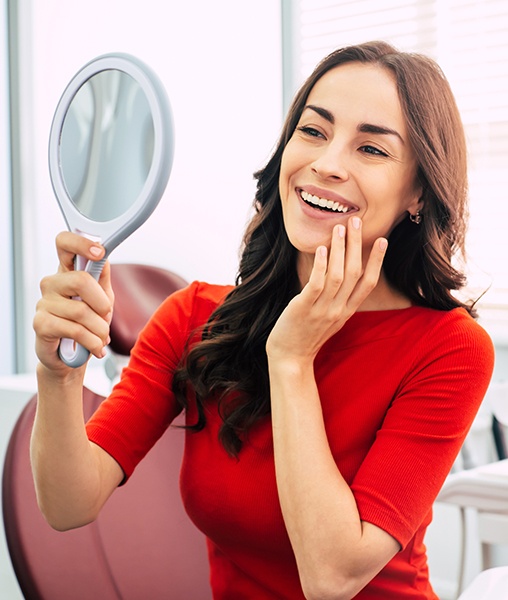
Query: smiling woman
x,y
312,457
469,41
350,147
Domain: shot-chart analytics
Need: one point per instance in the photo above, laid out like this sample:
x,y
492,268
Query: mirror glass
x,y
106,145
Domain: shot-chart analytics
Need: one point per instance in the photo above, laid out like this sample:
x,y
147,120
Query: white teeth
x,y
330,204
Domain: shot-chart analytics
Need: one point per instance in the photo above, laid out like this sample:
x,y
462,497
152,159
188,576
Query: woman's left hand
x,y
337,286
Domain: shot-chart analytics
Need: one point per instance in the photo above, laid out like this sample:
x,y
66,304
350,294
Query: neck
x,y
384,297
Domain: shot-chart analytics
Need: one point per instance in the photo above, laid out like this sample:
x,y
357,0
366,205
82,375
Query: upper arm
x,y
142,405
423,431
110,473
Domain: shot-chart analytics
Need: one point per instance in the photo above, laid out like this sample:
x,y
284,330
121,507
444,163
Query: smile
x,y
326,205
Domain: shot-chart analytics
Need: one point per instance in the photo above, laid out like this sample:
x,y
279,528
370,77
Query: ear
x,y
417,202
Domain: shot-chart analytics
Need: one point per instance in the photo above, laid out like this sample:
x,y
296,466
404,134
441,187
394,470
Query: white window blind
x,y
469,39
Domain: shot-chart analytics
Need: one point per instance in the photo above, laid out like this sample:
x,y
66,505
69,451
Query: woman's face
x,y
348,156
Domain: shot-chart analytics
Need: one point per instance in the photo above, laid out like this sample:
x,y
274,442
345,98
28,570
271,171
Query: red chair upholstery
x,y
142,546
139,289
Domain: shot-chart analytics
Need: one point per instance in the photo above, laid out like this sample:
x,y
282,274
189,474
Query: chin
x,y
308,246
305,240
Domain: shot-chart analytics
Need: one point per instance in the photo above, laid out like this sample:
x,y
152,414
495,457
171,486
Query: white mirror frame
x,y
113,232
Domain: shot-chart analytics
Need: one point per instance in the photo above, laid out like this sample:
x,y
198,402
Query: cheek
x,y
386,211
391,196
293,157
286,171
282,178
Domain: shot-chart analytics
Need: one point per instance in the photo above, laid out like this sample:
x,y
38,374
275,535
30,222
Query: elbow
x,y
62,520
61,524
329,594
321,587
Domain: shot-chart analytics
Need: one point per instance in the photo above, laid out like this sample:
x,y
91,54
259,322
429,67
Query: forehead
x,y
363,92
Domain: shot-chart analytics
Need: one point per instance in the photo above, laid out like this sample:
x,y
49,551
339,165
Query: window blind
x,y
469,40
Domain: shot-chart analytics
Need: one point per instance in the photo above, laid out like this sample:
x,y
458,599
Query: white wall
x,y
6,292
221,65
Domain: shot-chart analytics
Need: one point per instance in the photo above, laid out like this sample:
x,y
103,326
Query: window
x,y
469,40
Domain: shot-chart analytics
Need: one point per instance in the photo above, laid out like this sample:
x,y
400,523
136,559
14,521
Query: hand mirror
x,y
110,155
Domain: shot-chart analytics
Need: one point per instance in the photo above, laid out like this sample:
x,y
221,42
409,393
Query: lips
x,y
327,204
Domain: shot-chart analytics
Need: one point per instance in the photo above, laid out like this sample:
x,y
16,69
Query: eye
x,y
373,150
310,131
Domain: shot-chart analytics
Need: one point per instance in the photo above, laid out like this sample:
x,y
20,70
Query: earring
x,y
416,218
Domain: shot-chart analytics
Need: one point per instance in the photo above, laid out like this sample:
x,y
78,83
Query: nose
x,y
331,163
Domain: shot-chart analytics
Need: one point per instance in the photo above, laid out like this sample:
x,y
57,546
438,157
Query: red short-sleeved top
x,y
399,391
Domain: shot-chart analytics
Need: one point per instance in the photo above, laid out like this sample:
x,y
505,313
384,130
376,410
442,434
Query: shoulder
x,y
201,293
424,337
454,342
417,325
195,302
179,316
210,293
455,327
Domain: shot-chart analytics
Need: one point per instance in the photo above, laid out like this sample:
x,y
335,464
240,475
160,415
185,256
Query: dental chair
x,y
142,545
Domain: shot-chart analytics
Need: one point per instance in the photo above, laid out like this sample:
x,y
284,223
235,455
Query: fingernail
x,y
341,231
95,251
356,222
383,244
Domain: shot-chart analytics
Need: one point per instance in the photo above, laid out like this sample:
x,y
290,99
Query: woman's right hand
x,y
59,316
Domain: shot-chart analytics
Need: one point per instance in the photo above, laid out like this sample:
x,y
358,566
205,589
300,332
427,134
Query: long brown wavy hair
x,y
229,365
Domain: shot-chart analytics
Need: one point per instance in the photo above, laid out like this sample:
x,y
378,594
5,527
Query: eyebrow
x,y
378,130
362,127
322,112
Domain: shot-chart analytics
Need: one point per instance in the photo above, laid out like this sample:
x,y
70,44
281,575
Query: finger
x,y
58,317
370,277
105,283
50,329
77,311
314,287
354,248
68,285
336,262
70,244
353,267
68,317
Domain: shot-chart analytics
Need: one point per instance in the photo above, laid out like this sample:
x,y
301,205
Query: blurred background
x,y
230,69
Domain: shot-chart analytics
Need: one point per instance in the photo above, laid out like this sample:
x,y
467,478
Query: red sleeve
x,y
425,426
142,405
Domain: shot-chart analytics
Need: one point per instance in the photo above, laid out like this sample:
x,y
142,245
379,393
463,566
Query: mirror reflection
x,y
107,145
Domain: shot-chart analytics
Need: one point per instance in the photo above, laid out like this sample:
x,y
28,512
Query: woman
x,y
328,393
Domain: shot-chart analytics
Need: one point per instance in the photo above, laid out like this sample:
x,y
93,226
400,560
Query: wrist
x,y
61,376
291,366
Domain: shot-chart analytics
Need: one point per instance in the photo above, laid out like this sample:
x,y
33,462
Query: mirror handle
x,y
70,352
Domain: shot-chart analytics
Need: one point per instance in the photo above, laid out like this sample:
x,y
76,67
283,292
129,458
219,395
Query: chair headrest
x,y
139,290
